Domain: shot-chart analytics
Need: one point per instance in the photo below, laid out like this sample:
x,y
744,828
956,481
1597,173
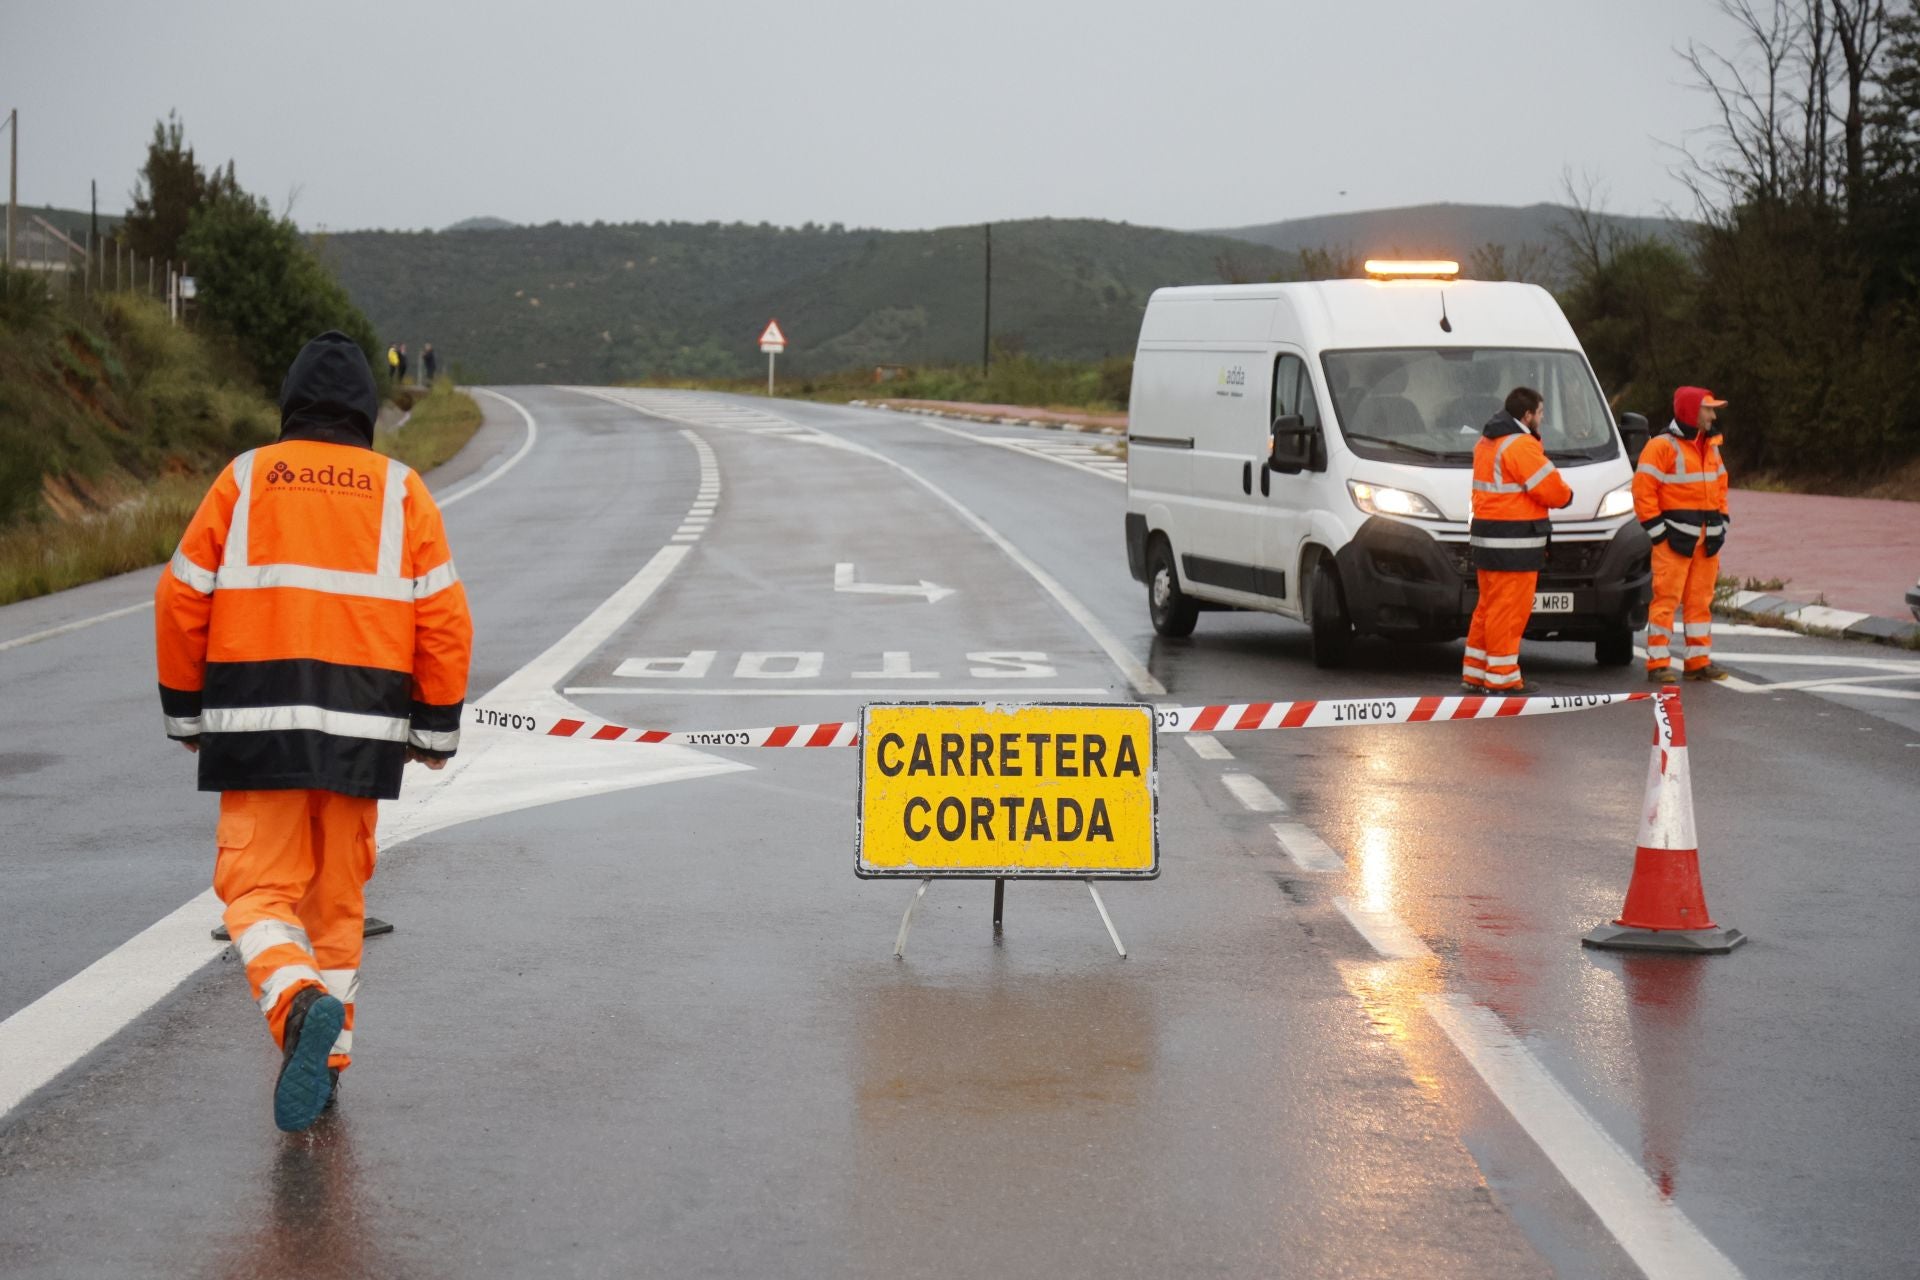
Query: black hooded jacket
x,y
329,394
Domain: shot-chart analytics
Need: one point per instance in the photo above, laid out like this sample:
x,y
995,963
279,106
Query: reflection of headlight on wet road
x,y
1376,869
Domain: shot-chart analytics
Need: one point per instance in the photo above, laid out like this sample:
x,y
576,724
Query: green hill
x,y
602,303
1440,230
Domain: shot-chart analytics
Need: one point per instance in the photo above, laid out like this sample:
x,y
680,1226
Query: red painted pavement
x,y
1860,553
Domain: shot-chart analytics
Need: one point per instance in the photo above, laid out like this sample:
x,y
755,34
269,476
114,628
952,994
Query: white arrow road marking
x,y
494,773
843,581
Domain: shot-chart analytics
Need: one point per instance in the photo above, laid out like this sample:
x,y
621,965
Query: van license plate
x,y
1553,602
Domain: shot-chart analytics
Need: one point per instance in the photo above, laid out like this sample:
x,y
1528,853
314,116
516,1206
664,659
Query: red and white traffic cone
x,y
1666,907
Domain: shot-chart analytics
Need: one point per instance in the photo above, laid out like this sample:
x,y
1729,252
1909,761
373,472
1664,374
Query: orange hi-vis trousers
x,y
1683,583
293,870
1499,620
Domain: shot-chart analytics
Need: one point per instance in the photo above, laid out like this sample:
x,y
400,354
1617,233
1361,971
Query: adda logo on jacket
x,y
329,476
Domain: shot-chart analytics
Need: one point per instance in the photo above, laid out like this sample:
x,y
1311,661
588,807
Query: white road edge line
x,y
1017,447
533,433
1253,793
1307,850
1662,1241
666,691
1207,747
43,1039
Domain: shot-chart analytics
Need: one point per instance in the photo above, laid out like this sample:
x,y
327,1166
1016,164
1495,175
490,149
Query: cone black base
x,y
1698,942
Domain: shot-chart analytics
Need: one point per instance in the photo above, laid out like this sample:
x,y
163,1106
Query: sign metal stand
x,y
999,905
773,342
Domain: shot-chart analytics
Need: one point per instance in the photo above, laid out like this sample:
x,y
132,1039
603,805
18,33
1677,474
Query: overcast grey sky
x,y
867,112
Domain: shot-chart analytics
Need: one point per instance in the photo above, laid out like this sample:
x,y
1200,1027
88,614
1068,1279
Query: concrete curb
x,y
1050,424
1846,622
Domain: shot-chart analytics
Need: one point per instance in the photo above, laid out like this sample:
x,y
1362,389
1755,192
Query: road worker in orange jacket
x,y
1514,486
313,637
1680,496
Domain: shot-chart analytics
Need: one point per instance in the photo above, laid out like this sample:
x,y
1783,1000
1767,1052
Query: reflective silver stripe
x,y
262,934
1658,651
434,581
1691,529
345,724
1500,544
1657,528
342,984
1699,650
1504,660
1533,480
393,520
191,574
285,976
235,552
428,740
1699,628
336,582
182,726
1476,653
342,1043
1691,477
1468,669
1499,453
1651,470
1510,677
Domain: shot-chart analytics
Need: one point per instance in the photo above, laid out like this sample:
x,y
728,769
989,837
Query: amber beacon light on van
x,y
1412,269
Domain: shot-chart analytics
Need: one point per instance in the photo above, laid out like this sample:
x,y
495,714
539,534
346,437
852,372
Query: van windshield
x,y
1425,406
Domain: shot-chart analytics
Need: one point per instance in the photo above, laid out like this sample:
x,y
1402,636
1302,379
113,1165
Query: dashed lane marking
x,y
1208,747
1307,850
1650,1227
1383,930
1253,793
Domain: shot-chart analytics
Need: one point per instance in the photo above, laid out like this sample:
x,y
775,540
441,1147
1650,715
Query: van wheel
x,y
1614,648
1172,610
1327,617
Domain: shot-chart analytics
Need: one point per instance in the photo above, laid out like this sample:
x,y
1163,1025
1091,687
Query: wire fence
x,y
79,264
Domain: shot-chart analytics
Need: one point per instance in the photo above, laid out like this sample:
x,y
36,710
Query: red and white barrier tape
x,y
1323,713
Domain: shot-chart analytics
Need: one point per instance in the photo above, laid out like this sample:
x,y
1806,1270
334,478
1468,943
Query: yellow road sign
x,y
1064,790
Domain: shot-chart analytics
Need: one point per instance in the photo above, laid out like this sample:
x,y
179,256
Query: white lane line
x,y
1653,1231
1383,931
1253,793
888,693
1307,850
1208,747
1827,682
1865,691
533,433
526,447
78,625
1820,660
45,1038
1032,452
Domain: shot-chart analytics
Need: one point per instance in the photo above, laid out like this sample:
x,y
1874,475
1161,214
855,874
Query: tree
x,y
263,285
169,190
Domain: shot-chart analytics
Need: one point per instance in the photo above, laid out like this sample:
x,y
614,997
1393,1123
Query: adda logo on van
x,y
327,477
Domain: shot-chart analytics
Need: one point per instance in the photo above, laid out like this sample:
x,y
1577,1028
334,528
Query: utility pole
x,y
94,244
986,333
13,178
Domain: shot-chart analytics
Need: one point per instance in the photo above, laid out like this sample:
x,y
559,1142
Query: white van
x,y
1307,449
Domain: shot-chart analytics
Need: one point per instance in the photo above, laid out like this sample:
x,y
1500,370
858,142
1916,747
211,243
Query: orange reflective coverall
x,y
1514,486
1680,497
311,630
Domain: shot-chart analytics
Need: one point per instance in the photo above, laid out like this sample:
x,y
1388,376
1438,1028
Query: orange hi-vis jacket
x,y
1514,486
312,626
1680,491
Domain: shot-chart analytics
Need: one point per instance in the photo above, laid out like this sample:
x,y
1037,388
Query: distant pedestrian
x,y
393,363
430,363
403,363
1680,496
306,701
1514,486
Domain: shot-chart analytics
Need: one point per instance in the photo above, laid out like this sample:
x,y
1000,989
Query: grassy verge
x,y
43,557
441,423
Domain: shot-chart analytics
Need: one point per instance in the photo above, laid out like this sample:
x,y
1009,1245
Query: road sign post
x,y
773,342
1050,791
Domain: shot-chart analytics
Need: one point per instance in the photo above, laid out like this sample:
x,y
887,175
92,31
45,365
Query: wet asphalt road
x,y
654,1026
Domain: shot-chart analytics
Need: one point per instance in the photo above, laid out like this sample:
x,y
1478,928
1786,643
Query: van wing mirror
x,y
1291,446
1635,433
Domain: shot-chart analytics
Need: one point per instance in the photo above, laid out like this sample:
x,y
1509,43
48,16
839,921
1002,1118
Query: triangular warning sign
x,y
773,333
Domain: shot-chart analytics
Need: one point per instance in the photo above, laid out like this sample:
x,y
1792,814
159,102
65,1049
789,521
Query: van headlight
x,y
1617,503
1380,500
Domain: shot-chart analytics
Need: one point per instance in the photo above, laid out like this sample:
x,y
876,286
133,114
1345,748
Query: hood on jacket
x,y
329,393
1686,408
1503,424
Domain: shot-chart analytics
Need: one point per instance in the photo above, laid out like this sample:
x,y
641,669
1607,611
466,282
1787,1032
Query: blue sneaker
x,y
305,1085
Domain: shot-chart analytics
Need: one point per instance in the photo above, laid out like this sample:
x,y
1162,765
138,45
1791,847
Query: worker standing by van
x,y
313,637
1514,486
1680,497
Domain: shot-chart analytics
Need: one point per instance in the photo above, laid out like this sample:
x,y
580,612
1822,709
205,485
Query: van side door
x,y
1222,559
1291,491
